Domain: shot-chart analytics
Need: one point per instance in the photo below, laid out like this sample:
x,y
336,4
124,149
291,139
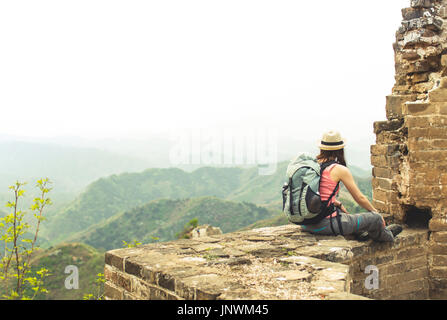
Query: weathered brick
x,y
428,177
438,121
438,224
122,281
112,292
428,156
151,292
166,281
386,173
419,261
381,206
385,149
438,248
130,296
133,268
420,77
440,236
412,13
424,192
417,132
108,271
413,286
184,291
419,144
438,95
114,260
439,143
421,3
382,260
118,278
408,253
435,133
418,109
396,268
389,137
160,294
438,272
418,121
385,196
379,161
422,294
443,179
431,133
394,105
386,161
390,125
385,184
439,260
411,275
442,108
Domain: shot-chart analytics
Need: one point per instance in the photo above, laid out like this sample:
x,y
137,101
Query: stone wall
x,y
410,155
269,263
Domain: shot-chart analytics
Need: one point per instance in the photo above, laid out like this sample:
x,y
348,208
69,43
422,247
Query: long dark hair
x,y
333,155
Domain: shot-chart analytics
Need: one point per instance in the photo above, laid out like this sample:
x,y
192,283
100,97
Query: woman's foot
x,y
395,229
362,237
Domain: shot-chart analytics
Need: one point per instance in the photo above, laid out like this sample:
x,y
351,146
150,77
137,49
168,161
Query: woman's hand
x,y
340,205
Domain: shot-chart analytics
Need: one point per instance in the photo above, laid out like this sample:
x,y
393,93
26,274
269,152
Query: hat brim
x,y
331,148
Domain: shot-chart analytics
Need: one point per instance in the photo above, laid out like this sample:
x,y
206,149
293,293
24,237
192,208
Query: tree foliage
x,y
18,280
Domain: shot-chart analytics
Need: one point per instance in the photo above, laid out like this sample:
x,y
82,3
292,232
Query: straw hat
x,y
332,140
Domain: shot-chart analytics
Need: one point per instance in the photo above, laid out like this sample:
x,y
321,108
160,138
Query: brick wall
x,y
403,269
410,155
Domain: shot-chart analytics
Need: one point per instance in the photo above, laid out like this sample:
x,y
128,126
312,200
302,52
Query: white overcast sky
x,y
106,68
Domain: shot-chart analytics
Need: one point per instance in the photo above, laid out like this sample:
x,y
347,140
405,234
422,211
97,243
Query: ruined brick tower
x,y
410,155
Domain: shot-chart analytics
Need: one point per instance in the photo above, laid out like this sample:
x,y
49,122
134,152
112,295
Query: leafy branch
x,y
15,262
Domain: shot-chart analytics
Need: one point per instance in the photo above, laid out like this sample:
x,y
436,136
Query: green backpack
x,y
301,193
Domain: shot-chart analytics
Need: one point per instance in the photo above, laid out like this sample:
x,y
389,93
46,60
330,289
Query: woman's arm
x,y
348,180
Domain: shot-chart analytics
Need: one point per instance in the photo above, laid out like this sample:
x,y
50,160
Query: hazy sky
x,y
106,68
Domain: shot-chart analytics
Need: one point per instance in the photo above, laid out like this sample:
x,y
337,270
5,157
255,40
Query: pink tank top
x,y
327,186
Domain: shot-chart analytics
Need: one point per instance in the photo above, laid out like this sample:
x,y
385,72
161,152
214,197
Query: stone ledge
x,y
268,263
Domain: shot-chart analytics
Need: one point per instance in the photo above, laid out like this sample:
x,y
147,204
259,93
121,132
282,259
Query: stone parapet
x,y
269,263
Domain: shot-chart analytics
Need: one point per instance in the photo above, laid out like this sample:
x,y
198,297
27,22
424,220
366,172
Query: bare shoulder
x,y
342,171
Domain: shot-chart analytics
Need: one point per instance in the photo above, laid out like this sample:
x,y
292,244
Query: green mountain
x,y
115,194
164,218
109,196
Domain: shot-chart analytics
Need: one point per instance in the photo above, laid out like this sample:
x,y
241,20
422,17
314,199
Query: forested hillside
x,y
116,194
163,219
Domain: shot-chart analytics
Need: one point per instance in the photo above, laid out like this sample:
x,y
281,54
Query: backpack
x,y
301,193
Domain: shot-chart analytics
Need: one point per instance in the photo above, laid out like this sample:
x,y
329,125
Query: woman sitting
x,y
362,225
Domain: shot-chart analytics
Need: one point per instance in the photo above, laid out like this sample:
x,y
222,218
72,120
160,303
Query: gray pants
x,y
353,224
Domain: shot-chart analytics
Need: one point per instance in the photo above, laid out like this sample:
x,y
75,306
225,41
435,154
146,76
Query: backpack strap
x,y
290,196
329,209
332,208
324,165
338,217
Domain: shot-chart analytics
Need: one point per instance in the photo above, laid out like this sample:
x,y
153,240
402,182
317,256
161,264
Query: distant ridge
x,y
116,194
